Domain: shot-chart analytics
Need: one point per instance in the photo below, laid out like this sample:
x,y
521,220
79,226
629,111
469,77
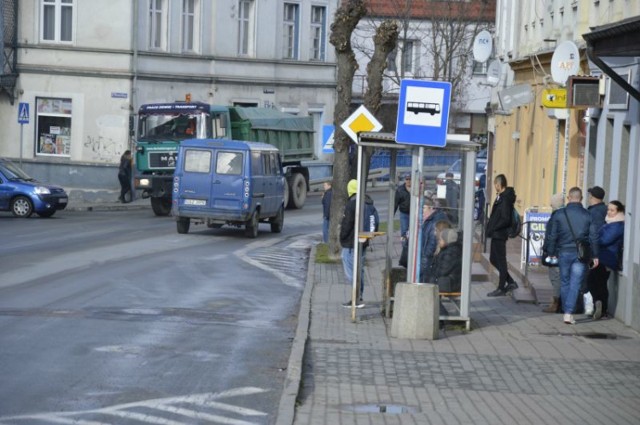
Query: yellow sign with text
x,y
554,98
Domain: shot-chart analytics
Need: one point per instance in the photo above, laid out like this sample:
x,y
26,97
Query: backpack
x,y
516,224
371,218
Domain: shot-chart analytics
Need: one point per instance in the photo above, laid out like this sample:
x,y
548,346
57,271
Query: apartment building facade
x,y
85,67
545,150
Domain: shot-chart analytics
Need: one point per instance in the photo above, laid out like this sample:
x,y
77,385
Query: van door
x,y
227,188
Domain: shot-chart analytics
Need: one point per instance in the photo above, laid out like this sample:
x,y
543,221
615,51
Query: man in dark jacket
x,y
326,210
403,203
571,225
453,194
347,234
597,208
498,231
124,176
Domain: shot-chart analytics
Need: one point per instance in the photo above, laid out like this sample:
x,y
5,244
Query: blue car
x,y
23,195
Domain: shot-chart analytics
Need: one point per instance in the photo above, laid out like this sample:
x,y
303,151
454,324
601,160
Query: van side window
x,y
277,167
197,161
229,163
256,164
266,163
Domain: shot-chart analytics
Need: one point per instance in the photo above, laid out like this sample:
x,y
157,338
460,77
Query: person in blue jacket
x,y
571,224
326,210
610,240
432,213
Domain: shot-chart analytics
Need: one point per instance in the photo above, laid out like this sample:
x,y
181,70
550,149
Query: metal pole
x,y
413,260
393,184
21,133
356,236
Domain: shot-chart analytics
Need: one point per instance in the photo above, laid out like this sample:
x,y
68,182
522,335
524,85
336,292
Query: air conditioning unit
x,y
583,92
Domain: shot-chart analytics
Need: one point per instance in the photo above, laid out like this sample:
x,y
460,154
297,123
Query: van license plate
x,y
198,202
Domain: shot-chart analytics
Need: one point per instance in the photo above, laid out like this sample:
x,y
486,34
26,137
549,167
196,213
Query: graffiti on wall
x,y
109,142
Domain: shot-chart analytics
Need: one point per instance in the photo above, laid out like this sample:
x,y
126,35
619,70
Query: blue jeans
x,y
325,230
347,264
404,223
572,273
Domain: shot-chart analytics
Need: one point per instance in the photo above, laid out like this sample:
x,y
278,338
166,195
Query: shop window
x,y
53,126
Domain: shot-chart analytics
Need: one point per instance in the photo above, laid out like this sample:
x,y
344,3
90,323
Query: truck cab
x,y
221,182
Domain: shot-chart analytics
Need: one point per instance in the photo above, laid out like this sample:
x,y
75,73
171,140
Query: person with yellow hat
x,y
347,234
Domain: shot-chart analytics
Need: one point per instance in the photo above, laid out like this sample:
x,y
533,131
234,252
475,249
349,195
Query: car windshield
x,y
172,126
13,172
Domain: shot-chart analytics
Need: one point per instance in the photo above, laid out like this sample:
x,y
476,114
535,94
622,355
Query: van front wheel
x,y
251,227
278,221
183,225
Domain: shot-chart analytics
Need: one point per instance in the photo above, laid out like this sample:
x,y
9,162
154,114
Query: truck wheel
x,y
297,191
161,206
278,221
251,227
183,225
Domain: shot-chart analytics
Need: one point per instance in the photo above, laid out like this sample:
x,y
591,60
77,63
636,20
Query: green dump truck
x,y
162,126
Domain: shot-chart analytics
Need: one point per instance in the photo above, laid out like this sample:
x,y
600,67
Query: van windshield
x,y
229,163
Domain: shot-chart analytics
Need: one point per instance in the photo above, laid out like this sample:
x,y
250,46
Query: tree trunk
x,y
347,17
385,41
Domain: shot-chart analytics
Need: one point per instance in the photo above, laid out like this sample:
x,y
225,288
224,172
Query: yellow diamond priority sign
x,y
361,120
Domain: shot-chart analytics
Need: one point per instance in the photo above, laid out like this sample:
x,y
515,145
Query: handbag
x,y
583,246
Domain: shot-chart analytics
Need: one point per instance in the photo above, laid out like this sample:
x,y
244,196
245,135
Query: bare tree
x,y
435,40
347,17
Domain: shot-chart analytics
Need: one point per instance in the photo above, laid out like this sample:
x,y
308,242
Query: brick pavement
x,y
517,365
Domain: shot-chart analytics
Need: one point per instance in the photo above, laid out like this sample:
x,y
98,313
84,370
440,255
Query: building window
x,y
57,21
409,51
190,25
318,28
245,27
291,30
53,124
157,22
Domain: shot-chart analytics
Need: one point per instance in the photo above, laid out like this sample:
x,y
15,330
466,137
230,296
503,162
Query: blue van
x,y
228,182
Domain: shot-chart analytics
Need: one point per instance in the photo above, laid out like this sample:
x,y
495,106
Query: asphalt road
x,y
114,317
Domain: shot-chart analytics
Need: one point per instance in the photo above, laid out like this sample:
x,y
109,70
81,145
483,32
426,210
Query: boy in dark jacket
x,y
347,234
498,231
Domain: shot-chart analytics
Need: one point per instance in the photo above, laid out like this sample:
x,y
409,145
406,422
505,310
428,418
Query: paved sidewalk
x,y
516,366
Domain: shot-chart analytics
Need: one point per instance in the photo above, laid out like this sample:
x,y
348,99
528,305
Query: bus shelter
x,y
464,213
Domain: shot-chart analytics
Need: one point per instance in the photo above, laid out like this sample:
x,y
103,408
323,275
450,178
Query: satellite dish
x,y
482,46
565,62
494,72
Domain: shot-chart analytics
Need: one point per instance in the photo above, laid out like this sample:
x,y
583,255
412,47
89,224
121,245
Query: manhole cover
x,y
393,409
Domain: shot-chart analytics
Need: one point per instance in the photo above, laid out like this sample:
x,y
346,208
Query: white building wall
x,y
107,74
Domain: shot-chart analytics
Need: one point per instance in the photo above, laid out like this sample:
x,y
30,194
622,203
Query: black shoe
x,y
511,286
497,293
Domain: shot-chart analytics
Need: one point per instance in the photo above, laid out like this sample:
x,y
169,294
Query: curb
x,y
107,207
287,408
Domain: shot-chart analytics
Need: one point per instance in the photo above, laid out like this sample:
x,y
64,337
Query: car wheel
x,y
183,225
22,207
161,206
46,214
277,222
251,228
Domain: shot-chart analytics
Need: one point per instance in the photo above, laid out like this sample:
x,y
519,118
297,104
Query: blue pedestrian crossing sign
x,y
23,113
423,112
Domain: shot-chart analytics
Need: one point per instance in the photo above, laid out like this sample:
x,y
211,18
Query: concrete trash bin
x,y
416,311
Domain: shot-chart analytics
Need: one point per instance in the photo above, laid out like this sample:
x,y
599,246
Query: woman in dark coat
x,y
610,239
447,263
